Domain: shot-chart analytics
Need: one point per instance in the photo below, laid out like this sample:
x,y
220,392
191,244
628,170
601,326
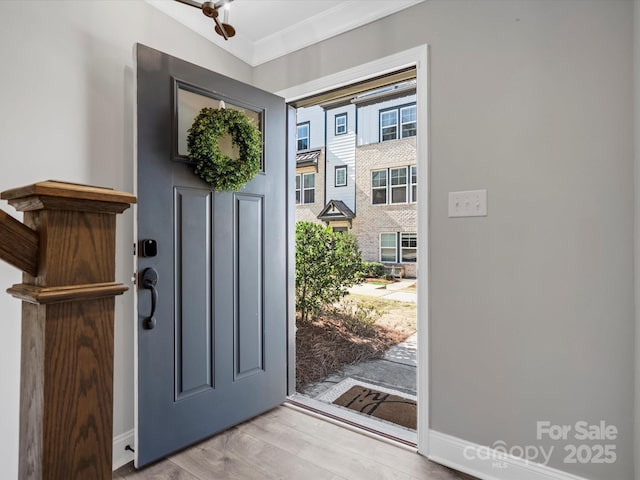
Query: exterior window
x,y
394,185
309,188
302,135
409,244
399,122
388,247
414,184
379,187
305,188
399,185
341,124
388,125
341,176
408,121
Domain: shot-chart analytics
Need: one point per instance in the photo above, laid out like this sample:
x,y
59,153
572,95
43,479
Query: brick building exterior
x,y
364,175
373,220
309,211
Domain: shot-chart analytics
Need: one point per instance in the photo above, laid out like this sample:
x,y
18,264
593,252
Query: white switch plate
x,y
468,204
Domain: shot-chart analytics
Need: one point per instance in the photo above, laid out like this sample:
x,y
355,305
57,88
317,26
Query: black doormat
x,y
385,406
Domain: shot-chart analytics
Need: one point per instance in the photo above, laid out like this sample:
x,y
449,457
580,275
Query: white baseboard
x,y
450,451
120,455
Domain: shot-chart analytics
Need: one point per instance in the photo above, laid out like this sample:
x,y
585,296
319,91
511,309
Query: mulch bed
x,y
325,345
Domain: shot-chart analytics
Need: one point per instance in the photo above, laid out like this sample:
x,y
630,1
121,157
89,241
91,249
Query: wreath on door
x,y
212,165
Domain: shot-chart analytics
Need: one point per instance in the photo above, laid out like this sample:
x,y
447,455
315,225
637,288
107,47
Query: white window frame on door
x,y
417,57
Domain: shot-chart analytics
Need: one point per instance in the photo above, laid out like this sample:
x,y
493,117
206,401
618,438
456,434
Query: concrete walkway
x,y
401,291
396,370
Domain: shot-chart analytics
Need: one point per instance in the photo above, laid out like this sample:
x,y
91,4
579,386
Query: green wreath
x,y
220,171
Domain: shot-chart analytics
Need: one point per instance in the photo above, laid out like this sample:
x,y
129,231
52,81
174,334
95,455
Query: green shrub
x,y
326,264
372,270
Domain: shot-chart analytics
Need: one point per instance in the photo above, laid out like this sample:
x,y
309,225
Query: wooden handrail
x,y
18,244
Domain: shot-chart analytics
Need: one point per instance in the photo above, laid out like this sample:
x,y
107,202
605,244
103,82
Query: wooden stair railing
x,y
66,249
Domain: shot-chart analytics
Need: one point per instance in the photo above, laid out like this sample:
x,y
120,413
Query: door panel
x,y
217,355
248,259
193,280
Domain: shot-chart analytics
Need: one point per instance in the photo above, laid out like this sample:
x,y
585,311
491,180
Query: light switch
x,y
472,203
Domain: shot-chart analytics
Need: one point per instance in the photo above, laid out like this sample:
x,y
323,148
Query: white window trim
x,y
305,189
399,122
395,235
404,185
386,187
408,186
412,198
401,248
382,112
308,137
400,135
302,189
335,176
335,124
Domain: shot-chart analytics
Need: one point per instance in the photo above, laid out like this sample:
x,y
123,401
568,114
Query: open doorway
x,y
357,176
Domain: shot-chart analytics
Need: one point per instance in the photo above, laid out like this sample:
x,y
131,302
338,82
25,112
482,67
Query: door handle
x,y
149,282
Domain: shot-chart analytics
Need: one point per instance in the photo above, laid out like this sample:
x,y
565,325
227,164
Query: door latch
x,y
149,282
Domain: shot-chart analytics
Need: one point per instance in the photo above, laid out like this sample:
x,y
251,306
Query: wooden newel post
x,y
66,248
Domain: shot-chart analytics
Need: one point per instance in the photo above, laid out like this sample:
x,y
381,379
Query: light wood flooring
x,y
288,444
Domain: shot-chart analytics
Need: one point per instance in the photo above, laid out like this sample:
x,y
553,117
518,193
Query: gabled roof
x,y
335,210
308,158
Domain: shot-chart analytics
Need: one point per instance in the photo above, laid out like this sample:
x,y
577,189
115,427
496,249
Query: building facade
x,y
365,176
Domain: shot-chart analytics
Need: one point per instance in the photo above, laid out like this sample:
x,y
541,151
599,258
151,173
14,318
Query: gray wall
x,y
66,106
636,117
532,307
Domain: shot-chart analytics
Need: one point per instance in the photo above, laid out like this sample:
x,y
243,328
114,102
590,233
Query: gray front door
x,y
216,355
